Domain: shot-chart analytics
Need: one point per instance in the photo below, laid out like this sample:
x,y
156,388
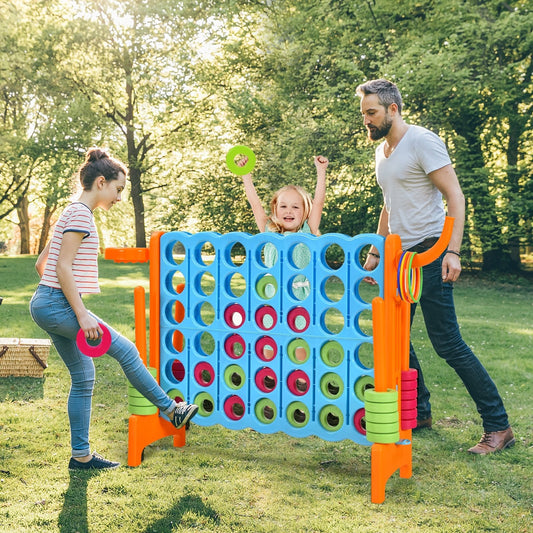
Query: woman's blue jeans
x,y
438,309
51,311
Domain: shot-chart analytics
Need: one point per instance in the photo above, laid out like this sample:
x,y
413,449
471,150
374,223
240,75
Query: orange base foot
x,y
386,459
146,429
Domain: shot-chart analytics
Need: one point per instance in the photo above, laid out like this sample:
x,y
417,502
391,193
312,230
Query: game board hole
x,y
268,412
269,382
266,348
363,254
333,389
207,283
206,254
178,253
206,314
332,420
237,285
364,322
178,281
206,343
334,256
298,351
366,292
301,385
268,255
299,287
266,287
333,320
299,256
178,370
238,410
238,254
208,406
178,340
299,416
178,311
334,288
365,355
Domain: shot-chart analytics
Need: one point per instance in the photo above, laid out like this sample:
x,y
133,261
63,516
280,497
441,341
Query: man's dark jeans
x,y
438,309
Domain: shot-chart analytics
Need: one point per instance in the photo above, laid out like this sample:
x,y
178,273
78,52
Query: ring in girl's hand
x,y
243,151
98,349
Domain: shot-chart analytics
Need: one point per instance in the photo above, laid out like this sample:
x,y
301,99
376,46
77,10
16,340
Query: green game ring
x,y
267,287
139,401
298,414
294,345
240,150
332,353
381,418
134,393
331,385
136,410
331,418
176,395
205,403
363,384
376,427
382,438
373,407
261,408
371,395
234,377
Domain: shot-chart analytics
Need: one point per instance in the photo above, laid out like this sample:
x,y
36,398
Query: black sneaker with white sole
x,y
183,413
96,463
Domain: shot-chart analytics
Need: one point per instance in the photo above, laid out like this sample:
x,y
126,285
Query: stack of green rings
x,y
137,403
382,416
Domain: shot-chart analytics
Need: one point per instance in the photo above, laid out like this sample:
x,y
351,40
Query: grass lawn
x,y
227,481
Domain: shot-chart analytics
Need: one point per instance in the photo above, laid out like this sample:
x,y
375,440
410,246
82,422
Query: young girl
x,y
68,268
292,210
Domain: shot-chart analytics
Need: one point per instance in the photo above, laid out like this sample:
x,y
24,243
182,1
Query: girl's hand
x,y
90,327
321,162
242,162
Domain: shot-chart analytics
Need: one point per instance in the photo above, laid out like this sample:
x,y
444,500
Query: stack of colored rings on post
x,y
408,398
409,279
382,417
137,403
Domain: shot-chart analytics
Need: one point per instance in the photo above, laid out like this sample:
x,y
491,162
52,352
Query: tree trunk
x,y
138,207
45,228
24,224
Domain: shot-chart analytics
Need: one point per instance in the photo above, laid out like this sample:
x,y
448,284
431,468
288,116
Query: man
x,y
414,170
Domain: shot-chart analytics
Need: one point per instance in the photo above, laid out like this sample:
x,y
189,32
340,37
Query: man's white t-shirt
x,y
413,203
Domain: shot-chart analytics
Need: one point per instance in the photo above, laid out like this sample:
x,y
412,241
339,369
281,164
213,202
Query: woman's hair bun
x,y
94,154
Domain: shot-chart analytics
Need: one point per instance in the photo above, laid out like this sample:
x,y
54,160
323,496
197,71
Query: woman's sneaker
x,y
183,413
96,463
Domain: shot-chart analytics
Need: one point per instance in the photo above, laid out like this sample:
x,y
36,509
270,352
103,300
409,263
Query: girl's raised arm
x,y
315,216
253,199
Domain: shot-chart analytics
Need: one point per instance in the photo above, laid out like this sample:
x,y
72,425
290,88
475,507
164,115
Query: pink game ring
x,y
99,349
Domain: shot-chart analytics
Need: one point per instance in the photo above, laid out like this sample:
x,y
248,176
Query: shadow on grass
x,y
73,516
174,515
21,389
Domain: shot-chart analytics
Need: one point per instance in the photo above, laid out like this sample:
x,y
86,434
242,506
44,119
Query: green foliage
x,y
170,86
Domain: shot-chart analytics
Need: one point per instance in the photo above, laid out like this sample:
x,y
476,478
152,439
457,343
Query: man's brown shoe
x,y
423,424
494,441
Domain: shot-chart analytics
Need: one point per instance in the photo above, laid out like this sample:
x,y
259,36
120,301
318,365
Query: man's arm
x,y
446,181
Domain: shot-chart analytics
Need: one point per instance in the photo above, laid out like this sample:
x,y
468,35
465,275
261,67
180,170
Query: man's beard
x,y
376,133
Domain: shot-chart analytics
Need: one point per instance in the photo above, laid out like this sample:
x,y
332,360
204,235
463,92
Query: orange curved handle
x,y
436,250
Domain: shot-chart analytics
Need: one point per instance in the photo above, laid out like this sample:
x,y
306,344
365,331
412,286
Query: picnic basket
x,y
23,357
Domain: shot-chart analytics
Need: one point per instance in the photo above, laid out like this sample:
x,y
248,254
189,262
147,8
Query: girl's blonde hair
x,y
273,224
